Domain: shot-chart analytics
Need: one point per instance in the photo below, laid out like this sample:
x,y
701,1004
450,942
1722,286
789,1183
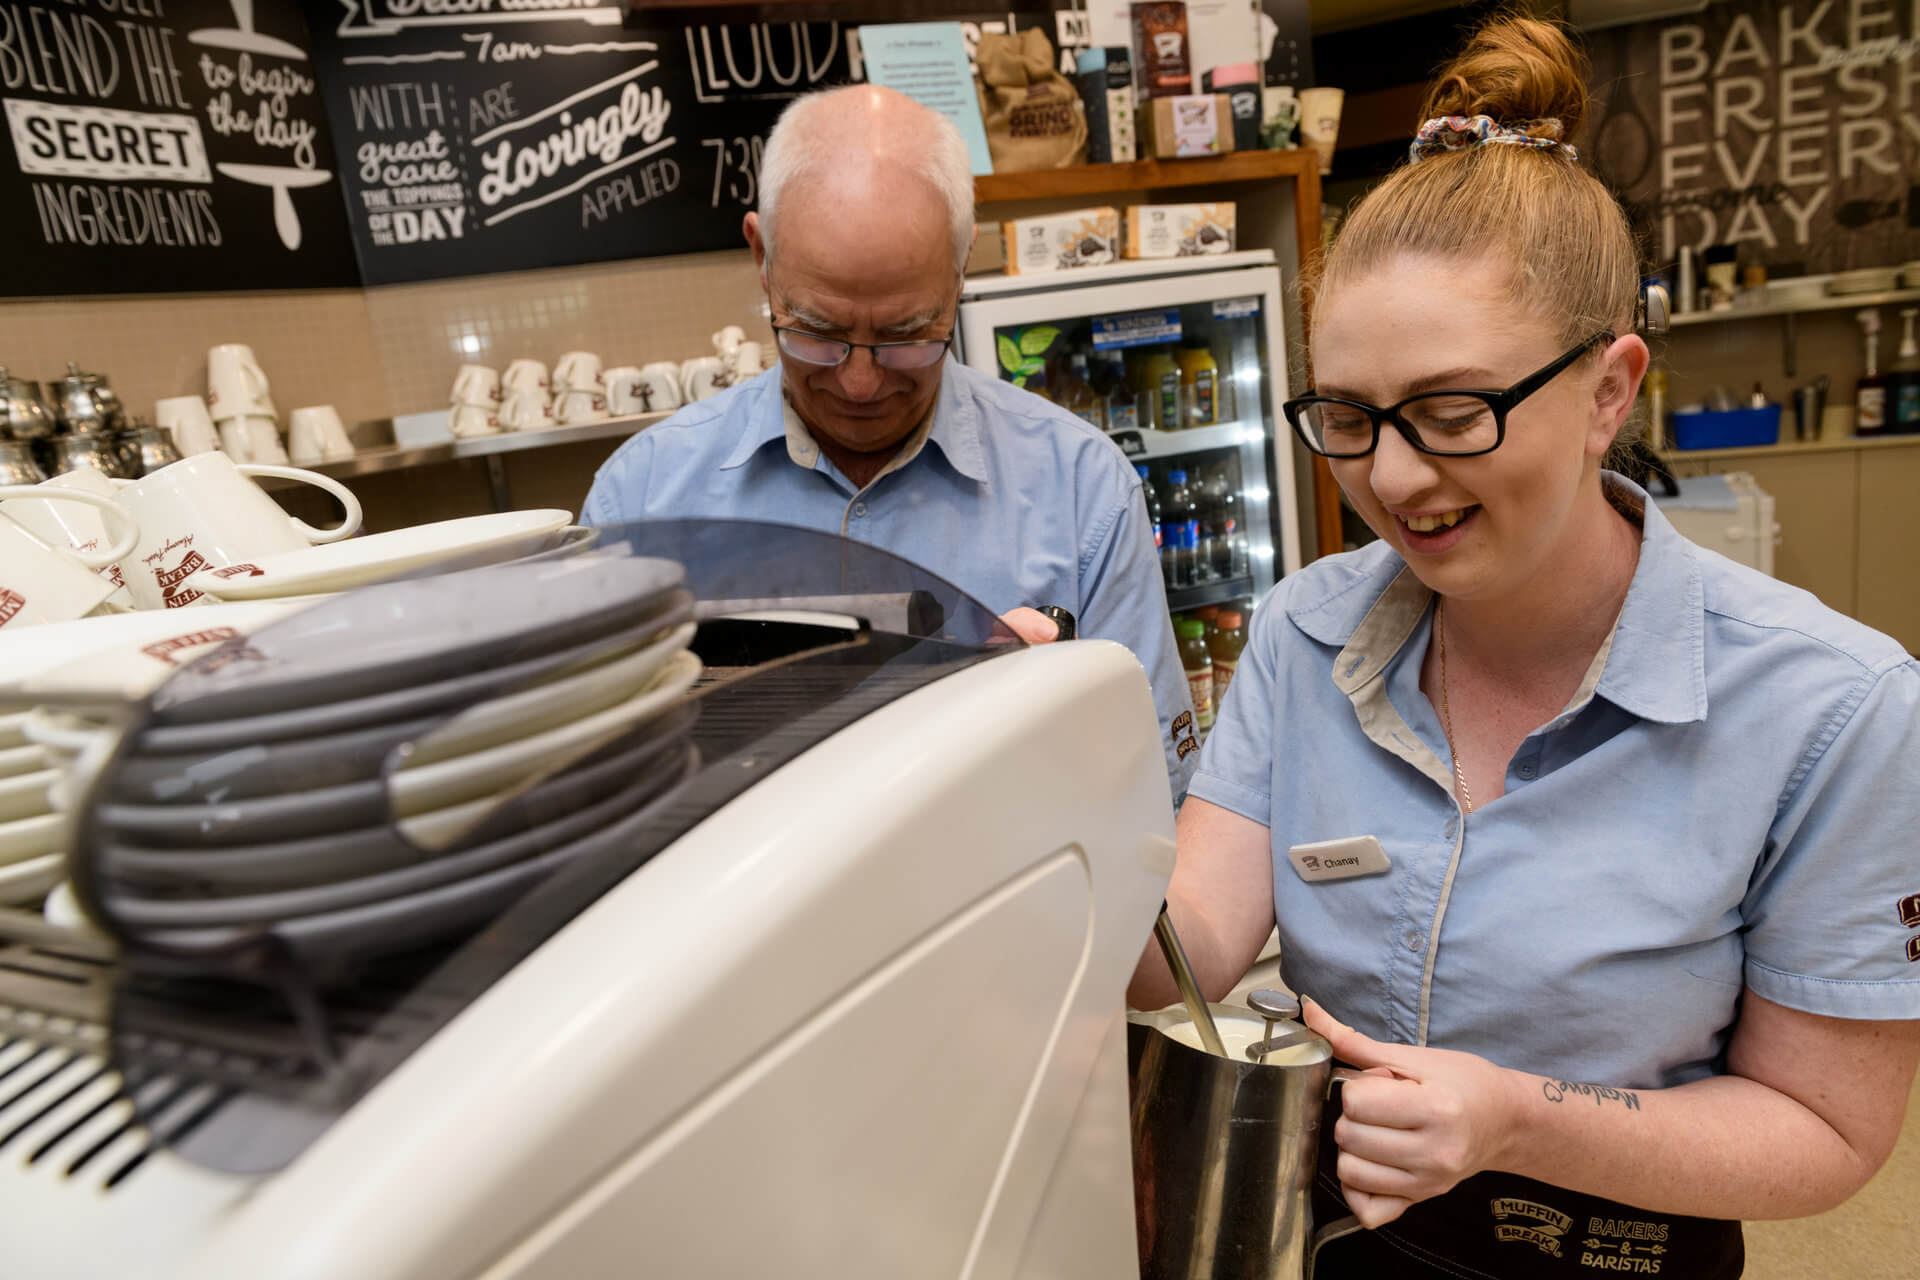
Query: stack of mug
x,y
578,394
474,408
526,398
242,406
82,543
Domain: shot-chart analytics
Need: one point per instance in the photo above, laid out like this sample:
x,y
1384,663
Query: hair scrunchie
x,y
1455,133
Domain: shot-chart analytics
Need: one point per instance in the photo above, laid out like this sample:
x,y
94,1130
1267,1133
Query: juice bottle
x,y
1075,394
1224,647
1160,379
1198,664
1200,375
1207,613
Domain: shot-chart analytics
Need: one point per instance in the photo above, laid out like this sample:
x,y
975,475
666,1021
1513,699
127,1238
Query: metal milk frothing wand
x,y
1189,988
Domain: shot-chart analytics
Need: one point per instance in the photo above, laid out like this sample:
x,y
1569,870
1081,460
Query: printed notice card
x,y
927,61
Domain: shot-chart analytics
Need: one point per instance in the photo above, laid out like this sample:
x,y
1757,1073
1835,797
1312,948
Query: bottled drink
x,y
1903,400
1198,664
1225,402
1183,530
1228,545
1160,379
1123,413
1224,646
1199,378
1153,511
1870,395
1075,393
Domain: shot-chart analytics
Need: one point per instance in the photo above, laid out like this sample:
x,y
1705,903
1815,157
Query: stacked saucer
x,y
30,860
445,546
117,651
384,768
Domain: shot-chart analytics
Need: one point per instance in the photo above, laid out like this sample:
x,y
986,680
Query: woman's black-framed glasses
x,y
811,348
1452,423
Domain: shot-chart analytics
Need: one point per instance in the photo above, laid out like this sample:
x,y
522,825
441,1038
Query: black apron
x,y
1499,1226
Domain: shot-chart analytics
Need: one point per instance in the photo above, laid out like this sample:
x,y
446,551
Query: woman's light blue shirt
x,y
1731,800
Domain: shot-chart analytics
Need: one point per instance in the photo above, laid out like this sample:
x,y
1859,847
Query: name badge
x,y
1341,859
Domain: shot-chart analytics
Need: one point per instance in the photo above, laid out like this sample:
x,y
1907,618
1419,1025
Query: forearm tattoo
x,y
1556,1090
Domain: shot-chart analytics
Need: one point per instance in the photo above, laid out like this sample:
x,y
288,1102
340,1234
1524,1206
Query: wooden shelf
x,y
1145,175
1788,306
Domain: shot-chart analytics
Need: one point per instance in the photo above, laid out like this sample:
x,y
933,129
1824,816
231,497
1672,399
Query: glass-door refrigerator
x,y
1183,363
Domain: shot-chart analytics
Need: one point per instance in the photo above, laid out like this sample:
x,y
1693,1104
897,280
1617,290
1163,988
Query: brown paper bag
x,y
1033,114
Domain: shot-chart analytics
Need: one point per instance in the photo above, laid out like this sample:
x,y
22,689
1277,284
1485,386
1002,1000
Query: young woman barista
x,y
1597,850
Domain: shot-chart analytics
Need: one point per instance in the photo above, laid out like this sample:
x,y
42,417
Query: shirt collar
x,y
1654,661
955,429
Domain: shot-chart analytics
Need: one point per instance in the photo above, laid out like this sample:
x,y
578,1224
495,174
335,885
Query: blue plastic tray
x,y
1732,429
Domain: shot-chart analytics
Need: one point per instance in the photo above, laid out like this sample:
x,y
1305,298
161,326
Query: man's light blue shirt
x,y
1731,800
1006,495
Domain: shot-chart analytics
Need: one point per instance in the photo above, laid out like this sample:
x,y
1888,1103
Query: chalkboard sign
x,y
162,146
497,135
1789,130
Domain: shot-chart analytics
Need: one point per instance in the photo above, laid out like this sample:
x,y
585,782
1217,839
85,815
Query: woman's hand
x,y
1416,1122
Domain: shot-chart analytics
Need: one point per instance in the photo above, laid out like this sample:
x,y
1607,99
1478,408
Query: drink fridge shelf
x,y
1145,442
1219,591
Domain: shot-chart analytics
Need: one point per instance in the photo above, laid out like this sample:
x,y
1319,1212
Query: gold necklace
x,y
1446,712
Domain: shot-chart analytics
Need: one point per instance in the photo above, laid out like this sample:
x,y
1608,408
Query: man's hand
x,y
1416,1122
1032,625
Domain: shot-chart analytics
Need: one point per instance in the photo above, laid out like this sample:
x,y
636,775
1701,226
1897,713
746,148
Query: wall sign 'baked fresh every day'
x,y
1788,127
501,135
164,145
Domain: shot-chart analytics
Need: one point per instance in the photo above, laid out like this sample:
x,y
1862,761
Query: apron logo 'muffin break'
x,y
1552,1224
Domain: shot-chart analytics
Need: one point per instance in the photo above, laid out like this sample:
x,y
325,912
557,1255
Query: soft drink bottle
x,y
1230,534
1183,530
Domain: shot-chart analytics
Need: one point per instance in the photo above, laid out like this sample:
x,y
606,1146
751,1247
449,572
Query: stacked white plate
x,y
445,546
387,767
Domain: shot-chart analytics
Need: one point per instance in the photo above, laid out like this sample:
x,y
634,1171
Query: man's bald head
x,y
860,144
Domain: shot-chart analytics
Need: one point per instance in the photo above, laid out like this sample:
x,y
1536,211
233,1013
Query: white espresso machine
x,y
861,1016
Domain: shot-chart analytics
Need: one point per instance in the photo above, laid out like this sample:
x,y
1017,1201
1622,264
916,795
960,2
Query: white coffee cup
x,y
206,512
192,426
524,375
236,386
80,526
576,371
316,434
526,410
236,441
42,581
701,377
263,441
622,396
746,362
465,421
571,408
476,384
661,379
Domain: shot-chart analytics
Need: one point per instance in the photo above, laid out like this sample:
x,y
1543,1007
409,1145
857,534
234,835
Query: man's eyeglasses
x,y
1452,423
811,348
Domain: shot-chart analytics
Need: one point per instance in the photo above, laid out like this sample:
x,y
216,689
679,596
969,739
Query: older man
x,y
867,429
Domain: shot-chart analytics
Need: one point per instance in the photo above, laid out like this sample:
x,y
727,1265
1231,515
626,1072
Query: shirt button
x,y
859,508
1413,941
1525,771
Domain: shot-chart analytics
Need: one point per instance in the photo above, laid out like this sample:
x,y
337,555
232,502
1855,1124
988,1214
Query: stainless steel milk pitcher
x,y
1224,1152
